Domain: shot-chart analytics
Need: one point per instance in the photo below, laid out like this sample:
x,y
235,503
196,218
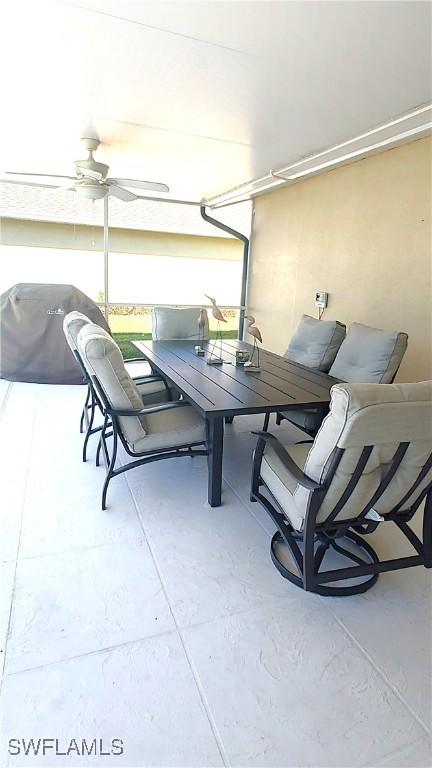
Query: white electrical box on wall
x,y
321,299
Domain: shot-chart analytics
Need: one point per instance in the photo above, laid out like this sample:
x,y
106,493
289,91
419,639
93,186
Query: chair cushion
x,y
170,323
152,391
172,428
280,482
136,368
380,415
316,342
369,355
72,324
103,359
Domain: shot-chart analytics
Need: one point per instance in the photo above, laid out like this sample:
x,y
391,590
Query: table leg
x,y
215,429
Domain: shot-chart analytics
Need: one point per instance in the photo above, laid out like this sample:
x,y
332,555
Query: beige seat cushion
x,y
137,368
369,355
280,483
152,391
167,429
381,415
152,388
172,323
103,359
72,324
172,428
315,342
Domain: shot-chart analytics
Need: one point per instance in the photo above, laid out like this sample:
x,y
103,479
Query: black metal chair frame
x,y
93,401
316,538
112,428
318,413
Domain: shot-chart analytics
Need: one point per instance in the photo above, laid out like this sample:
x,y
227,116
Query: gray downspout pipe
x,y
245,242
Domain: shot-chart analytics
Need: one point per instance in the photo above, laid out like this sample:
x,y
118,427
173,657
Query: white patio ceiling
x,y
203,95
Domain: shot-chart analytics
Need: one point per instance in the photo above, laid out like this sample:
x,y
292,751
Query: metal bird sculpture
x,y
256,335
202,322
217,314
252,329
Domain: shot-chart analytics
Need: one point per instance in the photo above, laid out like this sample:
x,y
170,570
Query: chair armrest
x,y
144,411
149,378
290,465
135,360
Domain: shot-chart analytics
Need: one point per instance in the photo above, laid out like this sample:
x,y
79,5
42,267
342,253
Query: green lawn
x,y
128,350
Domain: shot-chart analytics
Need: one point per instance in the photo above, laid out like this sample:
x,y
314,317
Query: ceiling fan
x,y
91,180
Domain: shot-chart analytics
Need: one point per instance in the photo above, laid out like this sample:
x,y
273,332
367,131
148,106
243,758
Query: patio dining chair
x,y
370,465
366,355
151,384
172,323
315,344
147,433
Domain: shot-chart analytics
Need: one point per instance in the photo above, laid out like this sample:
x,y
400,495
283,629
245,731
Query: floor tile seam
x,y
394,753
206,704
245,507
209,715
181,628
5,399
272,601
378,669
12,601
93,652
77,549
175,630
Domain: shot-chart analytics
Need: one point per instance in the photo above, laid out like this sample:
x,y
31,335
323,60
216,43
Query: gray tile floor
x,y
162,622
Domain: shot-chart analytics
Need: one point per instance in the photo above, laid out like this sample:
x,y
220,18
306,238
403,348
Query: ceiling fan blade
x,y
122,194
66,184
29,183
39,175
153,186
97,175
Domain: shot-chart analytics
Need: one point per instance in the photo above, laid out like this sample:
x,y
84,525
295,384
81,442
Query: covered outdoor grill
x,y
32,343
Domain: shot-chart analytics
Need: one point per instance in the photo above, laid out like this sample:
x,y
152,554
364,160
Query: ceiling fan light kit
x,y
90,190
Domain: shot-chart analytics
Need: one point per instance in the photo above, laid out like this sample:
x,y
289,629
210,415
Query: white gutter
x,y
415,123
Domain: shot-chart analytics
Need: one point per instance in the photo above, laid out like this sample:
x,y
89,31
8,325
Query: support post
x,y
105,246
245,241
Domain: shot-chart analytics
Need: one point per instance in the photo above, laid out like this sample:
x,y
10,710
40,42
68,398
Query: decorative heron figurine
x,y
217,314
256,335
202,327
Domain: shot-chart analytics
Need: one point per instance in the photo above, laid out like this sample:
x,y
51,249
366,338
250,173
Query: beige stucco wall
x,y
362,233
81,237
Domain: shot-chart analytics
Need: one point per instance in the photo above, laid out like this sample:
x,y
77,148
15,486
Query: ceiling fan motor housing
x,y
91,165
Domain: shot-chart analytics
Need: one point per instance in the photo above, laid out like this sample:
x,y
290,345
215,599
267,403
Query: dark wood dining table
x,y
220,392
